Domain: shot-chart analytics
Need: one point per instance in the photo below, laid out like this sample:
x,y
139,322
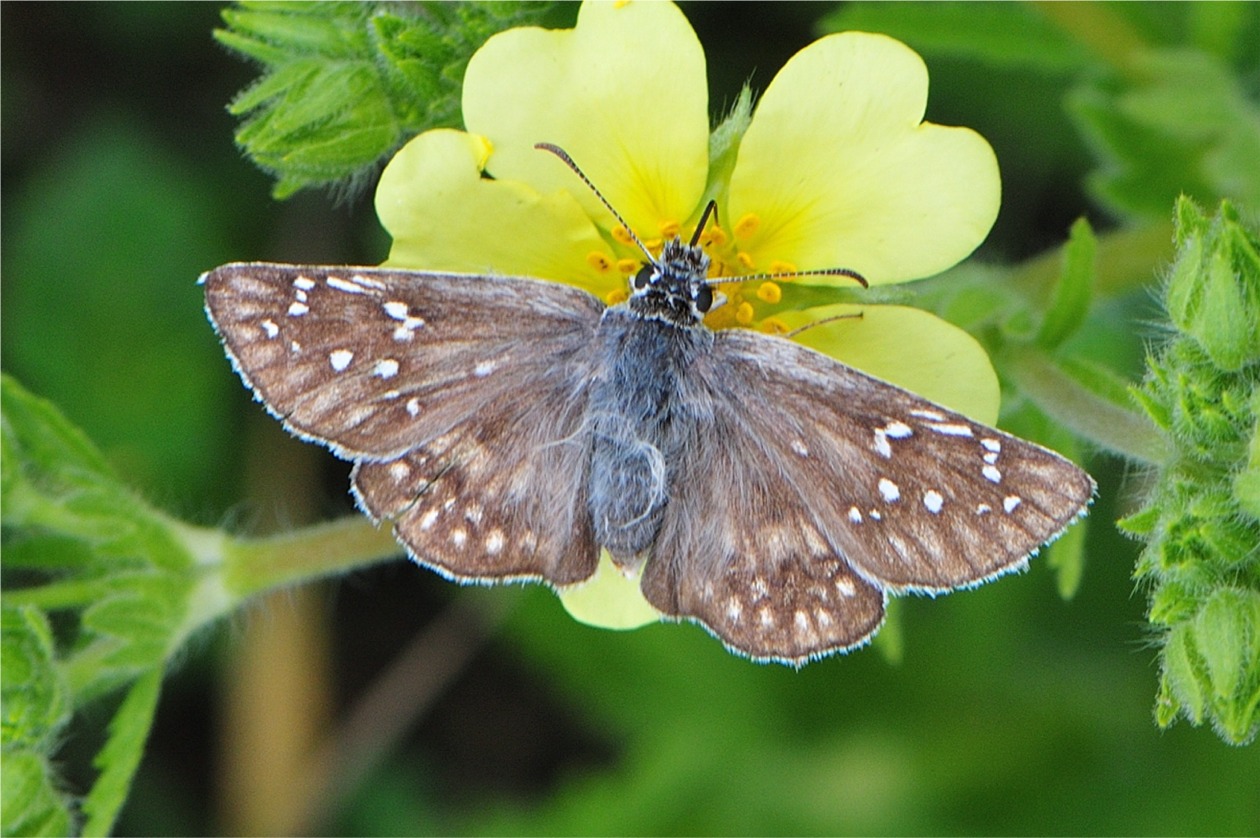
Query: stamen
x,y
769,292
715,236
744,313
599,261
627,266
617,296
774,326
745,259
747,225
778,266
669,229
622,236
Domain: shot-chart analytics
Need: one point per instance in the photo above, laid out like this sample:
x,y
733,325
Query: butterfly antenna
x,y
710,210
568,161
851,274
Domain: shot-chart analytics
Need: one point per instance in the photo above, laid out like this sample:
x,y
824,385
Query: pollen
x,y
669,229
769,292
627,266
778,266
744,314
599,261
616,296
622,236
747,225
746,260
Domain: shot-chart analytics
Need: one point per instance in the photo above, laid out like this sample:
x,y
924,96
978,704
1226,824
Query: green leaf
x,y
128,562
345,84
1000,34
35,700
36,707
120,757
29,802
1074,289
1185,125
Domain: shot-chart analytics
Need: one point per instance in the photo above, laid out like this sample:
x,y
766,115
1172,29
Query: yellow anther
x,y
654,245
627,266
622,236
715,236
717,268
774,326
781,267
769,292
744,314
599,261
747,225
669,229
745,260
617,296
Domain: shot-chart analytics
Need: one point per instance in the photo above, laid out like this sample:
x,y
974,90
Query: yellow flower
x,y
837,169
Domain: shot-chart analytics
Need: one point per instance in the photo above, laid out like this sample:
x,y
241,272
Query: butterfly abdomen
x,y
636,440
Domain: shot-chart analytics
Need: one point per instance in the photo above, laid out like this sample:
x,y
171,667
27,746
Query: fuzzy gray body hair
x,y
641,425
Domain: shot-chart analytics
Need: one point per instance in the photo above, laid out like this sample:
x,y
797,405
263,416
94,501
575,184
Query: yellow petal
x,y
840,170
609,600
908,347
444,216
625,94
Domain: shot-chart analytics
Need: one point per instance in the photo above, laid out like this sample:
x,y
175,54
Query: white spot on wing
x,y
952,429
800,448
991,474
994,445
388,368
459,537
270,327
494,541
484,368
396,310
1010,502
345,285
889,489
413,407
734,609
928,414
933,500
298,309
881,443
898,430
340,359
983,509
845,587
855,515
304,283
399,470
427,519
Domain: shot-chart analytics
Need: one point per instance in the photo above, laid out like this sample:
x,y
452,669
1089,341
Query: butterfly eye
x,y
704,299
643,277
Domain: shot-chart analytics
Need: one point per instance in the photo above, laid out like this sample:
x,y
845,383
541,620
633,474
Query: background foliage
x,y
393,702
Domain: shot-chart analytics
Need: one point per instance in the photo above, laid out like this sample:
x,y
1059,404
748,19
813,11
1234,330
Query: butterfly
x,y
511,428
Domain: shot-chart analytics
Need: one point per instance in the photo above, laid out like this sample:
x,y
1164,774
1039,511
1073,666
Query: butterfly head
x,y
674,285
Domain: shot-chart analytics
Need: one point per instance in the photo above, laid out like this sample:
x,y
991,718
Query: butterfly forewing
x,y
824,474
374,361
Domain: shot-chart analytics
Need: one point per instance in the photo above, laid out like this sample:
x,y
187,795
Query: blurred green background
x,y
393,702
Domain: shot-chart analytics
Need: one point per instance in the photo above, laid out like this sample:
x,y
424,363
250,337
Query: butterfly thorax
x,y
674,286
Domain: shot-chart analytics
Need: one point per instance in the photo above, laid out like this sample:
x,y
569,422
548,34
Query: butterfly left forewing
x,y
904,494
372,361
